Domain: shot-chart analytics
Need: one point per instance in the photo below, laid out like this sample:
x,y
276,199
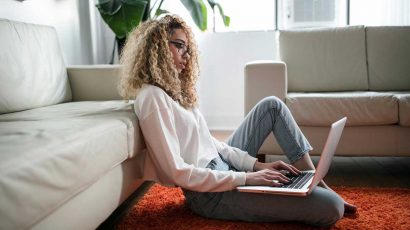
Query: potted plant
x,y
124,15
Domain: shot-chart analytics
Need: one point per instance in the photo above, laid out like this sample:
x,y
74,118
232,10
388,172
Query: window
x,y
289,14
315,13
311,13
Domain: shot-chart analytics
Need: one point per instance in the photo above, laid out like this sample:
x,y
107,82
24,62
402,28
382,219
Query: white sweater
x,y
180,146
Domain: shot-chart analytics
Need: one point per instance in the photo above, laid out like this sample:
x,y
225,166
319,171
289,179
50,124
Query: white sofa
x,y
68,144
324,74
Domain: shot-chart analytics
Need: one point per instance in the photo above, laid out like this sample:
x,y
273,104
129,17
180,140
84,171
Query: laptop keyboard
x,y
299,181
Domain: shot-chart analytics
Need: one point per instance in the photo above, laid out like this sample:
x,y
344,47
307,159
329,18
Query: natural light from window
x,y
311,13
246,15
259,15
380,12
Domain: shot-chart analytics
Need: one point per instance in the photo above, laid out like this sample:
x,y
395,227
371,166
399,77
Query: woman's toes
x,y
350,208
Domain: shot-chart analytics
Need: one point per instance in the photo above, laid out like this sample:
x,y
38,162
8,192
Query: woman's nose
x,y
186,55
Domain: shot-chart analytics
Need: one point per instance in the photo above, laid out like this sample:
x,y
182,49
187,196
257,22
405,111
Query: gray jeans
x,y
321,208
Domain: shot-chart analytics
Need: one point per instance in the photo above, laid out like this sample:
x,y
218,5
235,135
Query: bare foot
x,y
350,209
305,163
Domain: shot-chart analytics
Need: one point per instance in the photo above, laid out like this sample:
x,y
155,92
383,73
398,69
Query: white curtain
x,y
102,37
380,12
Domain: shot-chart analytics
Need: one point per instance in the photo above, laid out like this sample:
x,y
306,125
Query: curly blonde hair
x,y
147,59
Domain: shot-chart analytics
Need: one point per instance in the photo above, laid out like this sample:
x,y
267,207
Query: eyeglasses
x,y
181,47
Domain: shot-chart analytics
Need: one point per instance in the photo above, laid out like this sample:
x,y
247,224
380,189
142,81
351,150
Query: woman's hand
x,y
266,177
277,166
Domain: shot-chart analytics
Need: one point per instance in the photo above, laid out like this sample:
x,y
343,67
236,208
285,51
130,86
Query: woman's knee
x,y
270,102
205,204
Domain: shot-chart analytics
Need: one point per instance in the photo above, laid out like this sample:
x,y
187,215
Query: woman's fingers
x,y
290,168
274,175
274,183
295,169
266,177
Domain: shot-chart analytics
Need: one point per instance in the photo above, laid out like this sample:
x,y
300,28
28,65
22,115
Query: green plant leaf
x,y
123,15
226,19
198,12
211,3
108,6
161,11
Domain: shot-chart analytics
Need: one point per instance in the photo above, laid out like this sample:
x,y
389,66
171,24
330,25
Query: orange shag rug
x,y
164,208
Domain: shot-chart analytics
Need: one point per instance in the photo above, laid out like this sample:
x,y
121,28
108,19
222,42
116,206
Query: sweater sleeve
x,y
160,136
240,159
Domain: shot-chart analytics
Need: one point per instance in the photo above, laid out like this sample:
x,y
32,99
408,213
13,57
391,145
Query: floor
x,y
358,171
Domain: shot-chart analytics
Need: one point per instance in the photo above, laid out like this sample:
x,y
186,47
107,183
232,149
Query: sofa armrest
x,y
262,79
94,82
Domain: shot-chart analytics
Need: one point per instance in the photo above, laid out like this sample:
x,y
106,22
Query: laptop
x,y
303,184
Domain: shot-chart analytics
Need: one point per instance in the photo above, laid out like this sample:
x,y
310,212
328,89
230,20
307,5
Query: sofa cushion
x,y
120,110
330,59
360,108
404,107
32,70
56,152
388,56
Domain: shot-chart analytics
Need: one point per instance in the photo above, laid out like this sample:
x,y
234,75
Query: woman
x,y
160,70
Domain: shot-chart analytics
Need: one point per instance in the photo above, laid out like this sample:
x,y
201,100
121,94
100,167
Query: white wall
x,y
222,59
65,16
221,85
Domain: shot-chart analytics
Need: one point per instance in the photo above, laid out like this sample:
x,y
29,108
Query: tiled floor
x,y
358,171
